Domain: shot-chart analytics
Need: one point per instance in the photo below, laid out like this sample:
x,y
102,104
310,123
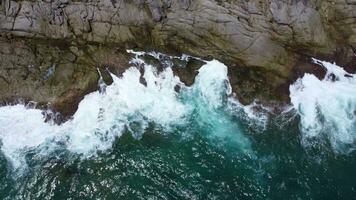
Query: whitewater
x,y
104,115
327,107
161,139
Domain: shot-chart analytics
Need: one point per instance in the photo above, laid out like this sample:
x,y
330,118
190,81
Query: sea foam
x,y
104,115
327,107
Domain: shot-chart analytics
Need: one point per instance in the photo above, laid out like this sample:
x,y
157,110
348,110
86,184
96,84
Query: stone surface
x,y
266,44
53,72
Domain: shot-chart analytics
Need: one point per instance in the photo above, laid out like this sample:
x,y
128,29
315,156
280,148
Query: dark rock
x,y
266,44
188,72
54,73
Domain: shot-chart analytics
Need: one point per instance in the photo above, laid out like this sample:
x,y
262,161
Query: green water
x,y
189,166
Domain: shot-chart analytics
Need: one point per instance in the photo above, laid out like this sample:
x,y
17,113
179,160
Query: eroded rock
x,y
55,73
264,43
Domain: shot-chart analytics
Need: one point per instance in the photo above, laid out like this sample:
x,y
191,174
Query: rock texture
x,y
266,43
53,72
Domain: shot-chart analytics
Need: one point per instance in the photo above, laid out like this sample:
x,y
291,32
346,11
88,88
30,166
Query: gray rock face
x,y
267,41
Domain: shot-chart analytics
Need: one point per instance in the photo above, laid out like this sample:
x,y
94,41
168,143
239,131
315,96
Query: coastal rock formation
x,y
50,49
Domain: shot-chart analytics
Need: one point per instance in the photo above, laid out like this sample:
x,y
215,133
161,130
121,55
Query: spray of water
x,y
104,115
327,107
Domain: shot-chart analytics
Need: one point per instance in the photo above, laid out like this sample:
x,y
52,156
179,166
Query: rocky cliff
x,y
50,49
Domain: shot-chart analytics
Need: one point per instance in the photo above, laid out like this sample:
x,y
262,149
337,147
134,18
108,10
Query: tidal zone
x,y
151,140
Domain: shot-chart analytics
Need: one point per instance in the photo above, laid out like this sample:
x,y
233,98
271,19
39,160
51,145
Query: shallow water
x,y
130,141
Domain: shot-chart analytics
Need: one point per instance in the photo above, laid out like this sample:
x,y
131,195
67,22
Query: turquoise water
x,y
193,166
130,141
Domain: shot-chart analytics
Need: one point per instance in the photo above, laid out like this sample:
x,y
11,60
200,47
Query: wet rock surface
x,y
55,74
50,49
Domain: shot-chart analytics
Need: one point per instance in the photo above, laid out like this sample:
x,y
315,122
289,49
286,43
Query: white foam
x,y
106,115
211,90
100,118
212,83
103,115
22,128
257,116
327,106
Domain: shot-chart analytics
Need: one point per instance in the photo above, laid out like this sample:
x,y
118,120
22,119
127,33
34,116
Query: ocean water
x,y
149,141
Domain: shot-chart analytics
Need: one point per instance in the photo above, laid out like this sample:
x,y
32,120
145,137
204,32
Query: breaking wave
x,y
327,107
126,105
